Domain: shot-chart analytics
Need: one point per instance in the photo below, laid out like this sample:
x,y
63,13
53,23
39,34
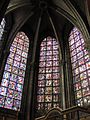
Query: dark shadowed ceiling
x,y
51,13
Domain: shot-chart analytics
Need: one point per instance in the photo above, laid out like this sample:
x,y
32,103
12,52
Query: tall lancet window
x,y
14,73
48,93
2,26
80,67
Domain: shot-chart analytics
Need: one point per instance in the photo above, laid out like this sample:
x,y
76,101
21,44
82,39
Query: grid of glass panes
x,y
2,26
80,67
48,94
14,73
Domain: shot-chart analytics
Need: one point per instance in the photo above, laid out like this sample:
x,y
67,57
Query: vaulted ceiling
x,y
54,14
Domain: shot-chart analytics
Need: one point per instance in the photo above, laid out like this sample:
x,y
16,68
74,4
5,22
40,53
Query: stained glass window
x,y
48,93
14,73
2,26
80,67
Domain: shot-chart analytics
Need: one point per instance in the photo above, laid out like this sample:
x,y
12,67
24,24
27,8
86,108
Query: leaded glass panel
x,y
48,93
14,73
80,67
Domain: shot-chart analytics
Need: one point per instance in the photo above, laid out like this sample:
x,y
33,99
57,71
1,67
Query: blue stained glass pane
x,y
3,91
49,58
10,93
55,57
55,47
13,49
17,57
12,85
55,52
9,103
49,53
23,60
19,87
17,95
24,54
21,72
23,66
20,80
16,63
18,52
49,63
13,77
11,55
16,105
6,75
4,82
41,91
10,61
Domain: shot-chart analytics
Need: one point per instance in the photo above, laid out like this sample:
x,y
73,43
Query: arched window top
x,y
23,36
80,67
14,73
2,26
